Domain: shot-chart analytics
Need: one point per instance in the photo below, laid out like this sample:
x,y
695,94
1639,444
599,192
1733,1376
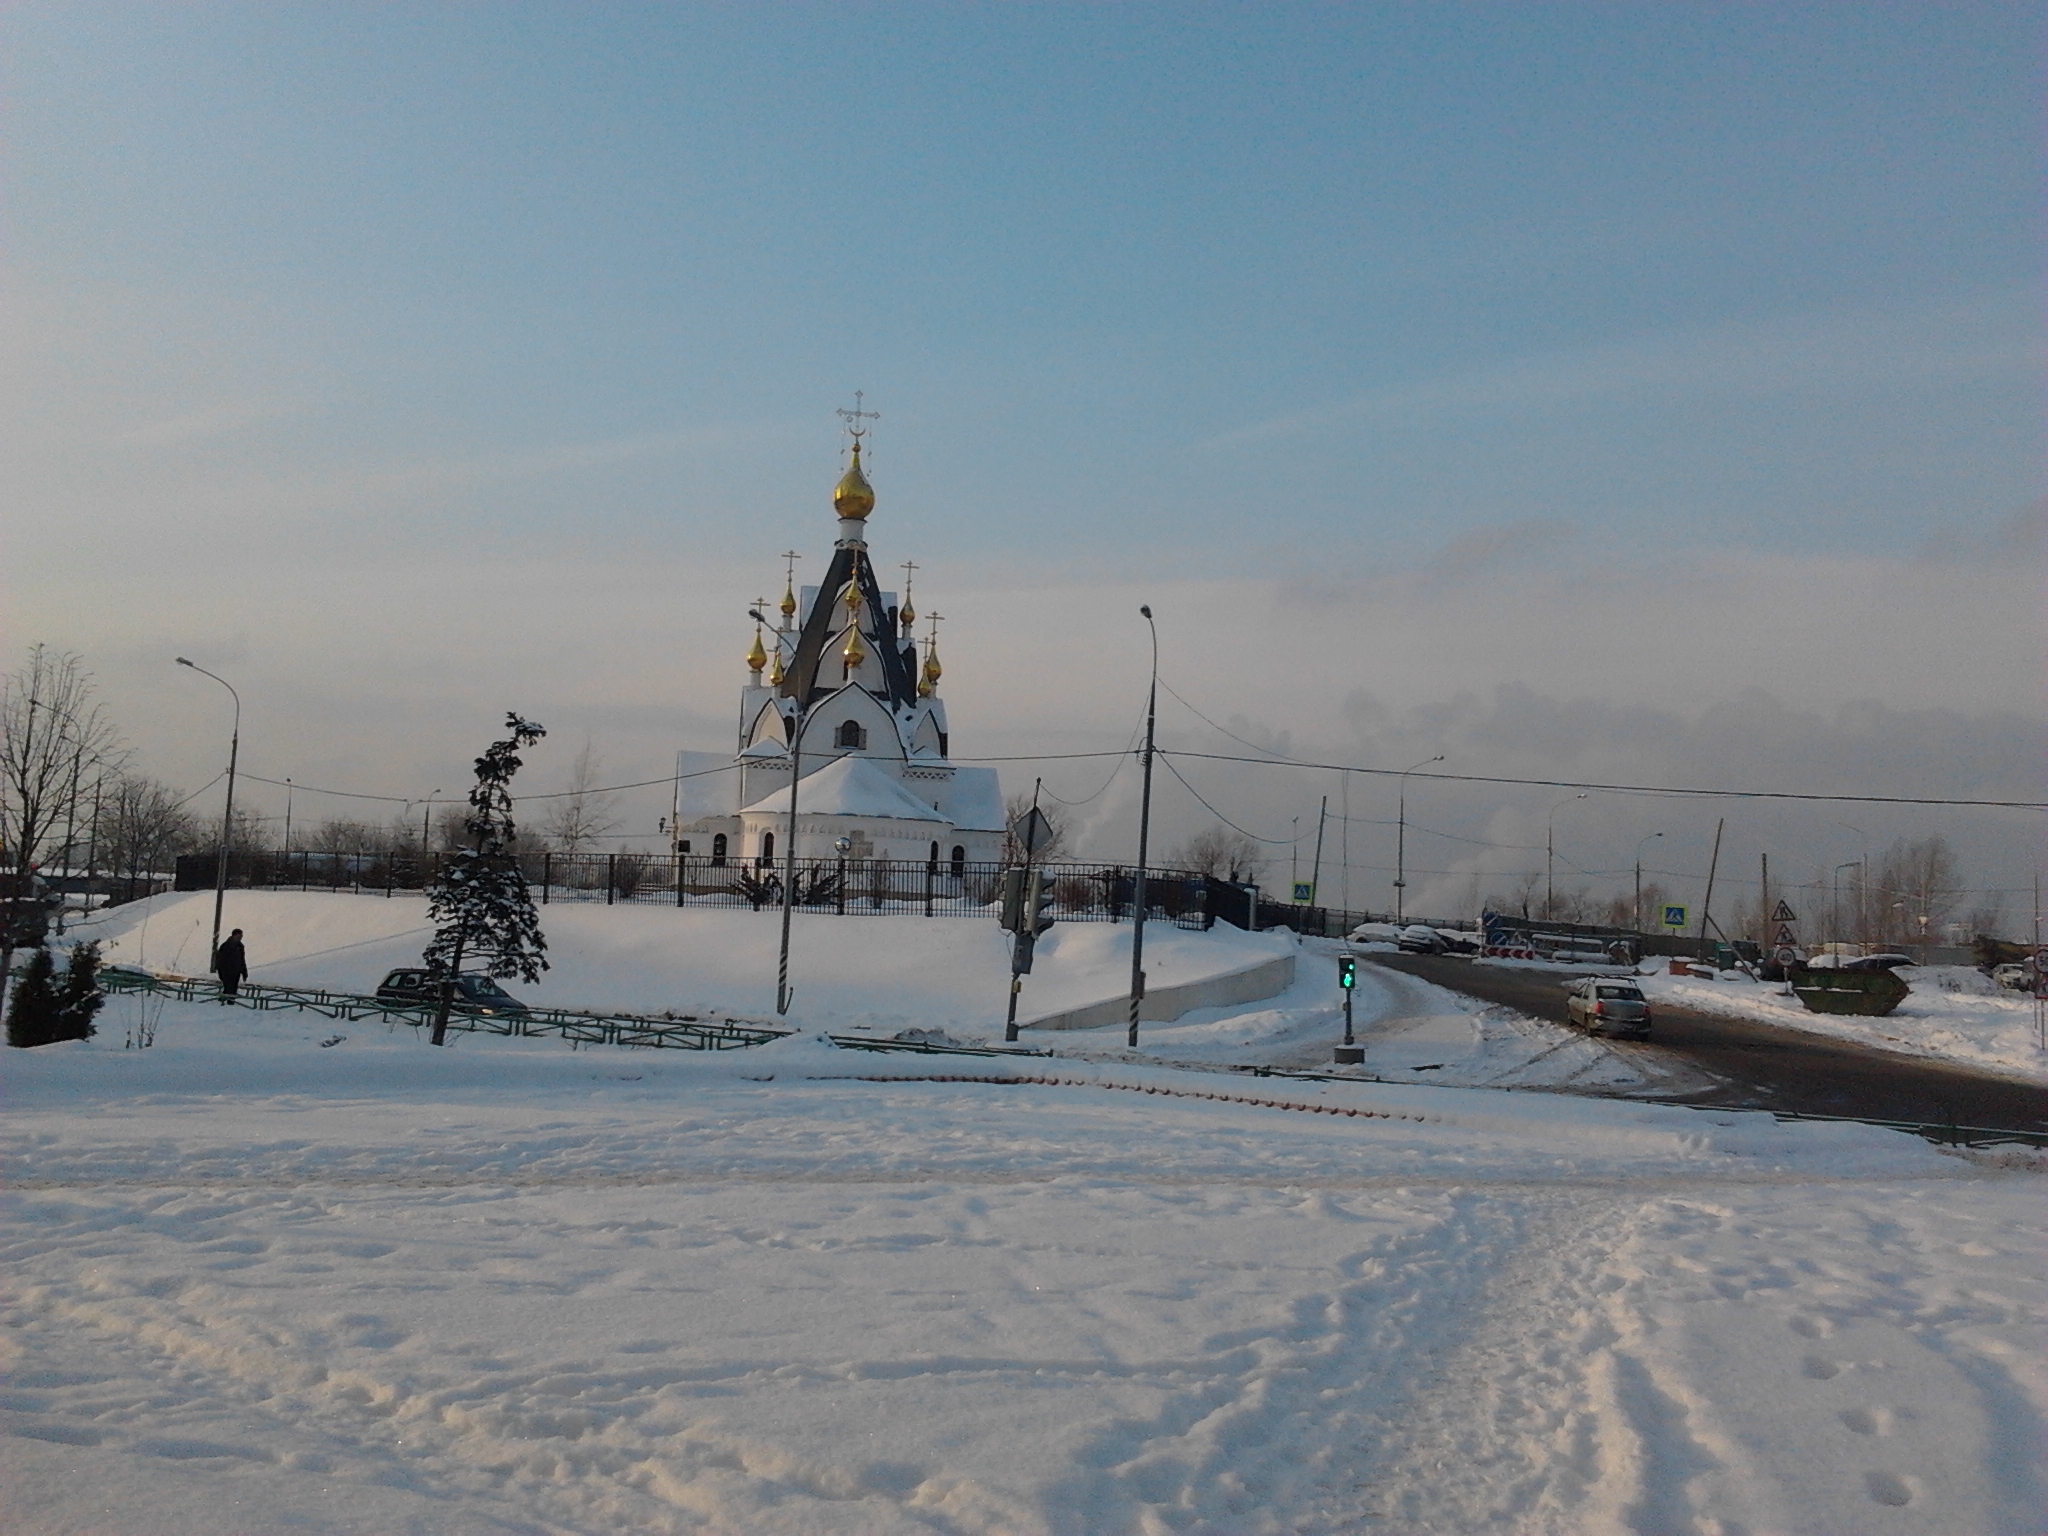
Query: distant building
x,y
874,752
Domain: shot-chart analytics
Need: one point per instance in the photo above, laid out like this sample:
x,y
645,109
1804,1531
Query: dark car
x,y
1605,1005
474,992
1877,962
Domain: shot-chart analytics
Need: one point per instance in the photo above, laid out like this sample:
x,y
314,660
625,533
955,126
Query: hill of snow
x,y
853,972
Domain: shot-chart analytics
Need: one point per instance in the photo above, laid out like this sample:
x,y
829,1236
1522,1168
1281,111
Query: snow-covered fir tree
x,y
483,913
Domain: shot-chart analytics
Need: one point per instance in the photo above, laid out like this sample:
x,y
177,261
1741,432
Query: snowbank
x,y
882,973
1953,1013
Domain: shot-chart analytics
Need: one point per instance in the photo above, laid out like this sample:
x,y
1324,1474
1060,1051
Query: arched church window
x,y
718,846
959,861
935,853
767,847
851,735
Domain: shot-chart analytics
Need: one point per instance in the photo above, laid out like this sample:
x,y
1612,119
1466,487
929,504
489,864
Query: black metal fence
x,y
848,887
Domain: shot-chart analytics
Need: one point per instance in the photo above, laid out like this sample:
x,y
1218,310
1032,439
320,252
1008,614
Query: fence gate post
x,y
931,872
611,876
679,879
547,874
842,884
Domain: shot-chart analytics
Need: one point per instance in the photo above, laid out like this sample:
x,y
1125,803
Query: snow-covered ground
x,y
1954,1013
277,1273
259,1284
878,973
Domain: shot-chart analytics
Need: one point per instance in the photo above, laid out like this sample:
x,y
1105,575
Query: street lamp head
x,y
1145,609
184,661
755,615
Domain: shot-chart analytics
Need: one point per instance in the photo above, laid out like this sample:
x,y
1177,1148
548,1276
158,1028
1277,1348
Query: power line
x,y
1668,790
1278,842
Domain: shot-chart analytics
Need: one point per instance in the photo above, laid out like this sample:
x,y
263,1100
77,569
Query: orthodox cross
x,y
909,613
856,416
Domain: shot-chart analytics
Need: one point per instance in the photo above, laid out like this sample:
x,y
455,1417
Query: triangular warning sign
x,y
1785,936
1784,914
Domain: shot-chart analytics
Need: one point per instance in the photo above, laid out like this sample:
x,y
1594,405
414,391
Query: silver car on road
x,y
1607,1005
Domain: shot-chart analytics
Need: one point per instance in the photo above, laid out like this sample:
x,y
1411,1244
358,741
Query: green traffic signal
x,y
1347,973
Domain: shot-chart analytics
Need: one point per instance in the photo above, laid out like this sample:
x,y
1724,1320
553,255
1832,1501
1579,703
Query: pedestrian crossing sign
x,y
1674,917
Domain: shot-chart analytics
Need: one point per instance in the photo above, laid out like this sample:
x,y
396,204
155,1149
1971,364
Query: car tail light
x,y
1599,1010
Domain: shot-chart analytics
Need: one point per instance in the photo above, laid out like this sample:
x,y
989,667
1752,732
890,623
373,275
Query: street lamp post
x,y
1639,878
796,771
1401,840
1835,903
227,823
1550,855
1144,835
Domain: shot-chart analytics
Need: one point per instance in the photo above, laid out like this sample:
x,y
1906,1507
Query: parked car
x,y
1375,933
474,992
2020,978
1877,962
1458,941
1604,1005
1418,940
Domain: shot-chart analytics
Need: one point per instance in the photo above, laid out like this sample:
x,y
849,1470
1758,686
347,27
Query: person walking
x,y
230,964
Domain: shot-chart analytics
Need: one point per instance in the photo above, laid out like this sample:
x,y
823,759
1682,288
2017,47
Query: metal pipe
x,y
1144,835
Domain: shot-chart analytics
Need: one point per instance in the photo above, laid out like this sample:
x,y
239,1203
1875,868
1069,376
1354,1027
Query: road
x,y
1762,1067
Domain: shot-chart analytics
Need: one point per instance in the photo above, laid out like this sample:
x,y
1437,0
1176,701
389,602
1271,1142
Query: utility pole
x,y
227,825
1315,873
1144,834
1713,864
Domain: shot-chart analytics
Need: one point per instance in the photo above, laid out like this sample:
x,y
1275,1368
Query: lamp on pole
x,y
1550,855
1144,834
1401,839
796,769
1835,902
227,821
1639,878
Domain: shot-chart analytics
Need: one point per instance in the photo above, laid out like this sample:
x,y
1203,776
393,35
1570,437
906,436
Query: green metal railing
x,y
687,1032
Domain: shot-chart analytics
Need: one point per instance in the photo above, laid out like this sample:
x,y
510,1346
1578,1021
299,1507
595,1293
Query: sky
x,y
1644,389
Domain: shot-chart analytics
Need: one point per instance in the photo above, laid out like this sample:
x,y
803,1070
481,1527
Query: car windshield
x,y
1621,992
483,986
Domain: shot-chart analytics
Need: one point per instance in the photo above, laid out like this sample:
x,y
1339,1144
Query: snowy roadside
x,y
1953,1014
262,1283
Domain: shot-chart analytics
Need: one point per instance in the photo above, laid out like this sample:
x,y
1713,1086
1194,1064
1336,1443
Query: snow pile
x,y
1953,1013
880,973
264,1283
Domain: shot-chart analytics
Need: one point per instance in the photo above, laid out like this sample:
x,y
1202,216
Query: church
x,y
840,689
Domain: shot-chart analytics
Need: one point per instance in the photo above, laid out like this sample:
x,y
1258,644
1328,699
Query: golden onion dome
x,y
757,658
854,653
789,602
853,496
909,615
778,674
932,670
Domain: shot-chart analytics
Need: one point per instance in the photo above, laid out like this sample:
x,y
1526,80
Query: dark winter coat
x,y
229,961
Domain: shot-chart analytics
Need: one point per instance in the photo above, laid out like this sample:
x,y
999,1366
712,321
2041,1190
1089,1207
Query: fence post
x,y
611,875
547,873
679,879
842,887
931,875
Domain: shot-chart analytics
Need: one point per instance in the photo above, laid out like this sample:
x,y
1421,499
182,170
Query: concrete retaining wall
x,y
1162,1005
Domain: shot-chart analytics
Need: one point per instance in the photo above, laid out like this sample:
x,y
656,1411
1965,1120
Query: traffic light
x,y
1010,916
1347,973
1038,902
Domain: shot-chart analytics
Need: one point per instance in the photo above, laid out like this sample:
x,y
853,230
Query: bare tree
x,y
577,819
1220,853
55,740
1058,826
144,826
1917,885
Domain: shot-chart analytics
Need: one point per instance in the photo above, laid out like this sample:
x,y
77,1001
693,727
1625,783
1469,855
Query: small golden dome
x,y
852,600
778,674
932,670
909,613
854,653
757,658
853,496
789,602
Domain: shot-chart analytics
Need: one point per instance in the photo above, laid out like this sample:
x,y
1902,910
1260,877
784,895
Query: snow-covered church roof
x,y
851,786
